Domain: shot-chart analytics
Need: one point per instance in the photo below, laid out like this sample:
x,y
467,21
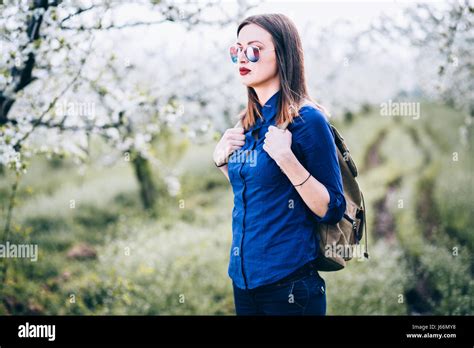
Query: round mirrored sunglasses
x,y
252,53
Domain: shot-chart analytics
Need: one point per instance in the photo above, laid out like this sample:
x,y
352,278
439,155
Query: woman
x,y
284,181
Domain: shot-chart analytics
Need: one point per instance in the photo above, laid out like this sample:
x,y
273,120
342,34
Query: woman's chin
x,y
247,81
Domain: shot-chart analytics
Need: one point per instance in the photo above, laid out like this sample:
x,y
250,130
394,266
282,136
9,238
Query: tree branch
x,y
17,145
78,12
24,75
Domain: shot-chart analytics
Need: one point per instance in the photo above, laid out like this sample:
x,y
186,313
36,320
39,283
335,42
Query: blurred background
x,y
110,111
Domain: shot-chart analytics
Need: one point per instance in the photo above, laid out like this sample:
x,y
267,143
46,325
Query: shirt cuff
x,y
336,209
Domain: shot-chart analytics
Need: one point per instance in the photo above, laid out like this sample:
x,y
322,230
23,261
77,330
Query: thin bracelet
x,y
218,166
303,181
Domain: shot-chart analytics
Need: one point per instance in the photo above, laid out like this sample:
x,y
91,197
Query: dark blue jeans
x,y
301,294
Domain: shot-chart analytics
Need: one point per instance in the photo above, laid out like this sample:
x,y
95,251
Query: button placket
x,y
244,204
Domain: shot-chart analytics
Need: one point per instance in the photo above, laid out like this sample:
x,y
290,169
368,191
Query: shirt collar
x,y
268,110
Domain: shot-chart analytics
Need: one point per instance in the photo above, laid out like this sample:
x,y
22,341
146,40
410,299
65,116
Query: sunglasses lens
x,y
234,54
253,54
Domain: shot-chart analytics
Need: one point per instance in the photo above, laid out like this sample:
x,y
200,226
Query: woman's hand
x,y
232,139
277,144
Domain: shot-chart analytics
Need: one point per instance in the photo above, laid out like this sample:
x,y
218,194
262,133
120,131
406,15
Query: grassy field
x,y
420,230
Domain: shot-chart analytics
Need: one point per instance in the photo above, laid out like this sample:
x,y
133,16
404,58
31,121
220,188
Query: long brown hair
x,y
290,62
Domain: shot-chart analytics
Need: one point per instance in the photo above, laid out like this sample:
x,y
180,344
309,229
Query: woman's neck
x,y
264,93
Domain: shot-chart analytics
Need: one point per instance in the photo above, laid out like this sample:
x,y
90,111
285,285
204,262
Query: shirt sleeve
x,y
319,156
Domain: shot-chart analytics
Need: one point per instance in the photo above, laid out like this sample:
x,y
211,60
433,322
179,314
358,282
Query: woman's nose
x,y
244,60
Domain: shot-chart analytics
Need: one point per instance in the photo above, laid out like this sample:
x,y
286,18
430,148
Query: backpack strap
x,y
366,253
341,145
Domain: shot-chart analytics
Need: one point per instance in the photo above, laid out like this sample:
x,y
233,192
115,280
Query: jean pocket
x,y
316,284
298,293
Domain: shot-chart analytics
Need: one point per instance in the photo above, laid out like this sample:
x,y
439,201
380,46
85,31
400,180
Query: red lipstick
x,y
244,71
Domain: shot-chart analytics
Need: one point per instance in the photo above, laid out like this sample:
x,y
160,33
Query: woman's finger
x,y
233,148
272,128
237,142
235,136
238,130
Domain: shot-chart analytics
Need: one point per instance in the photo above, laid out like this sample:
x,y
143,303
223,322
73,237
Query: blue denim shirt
x,y
272,227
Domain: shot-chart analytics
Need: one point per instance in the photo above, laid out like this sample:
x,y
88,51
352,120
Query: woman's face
x,y
265,69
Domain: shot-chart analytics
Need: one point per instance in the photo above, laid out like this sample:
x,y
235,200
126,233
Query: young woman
x,y
284,181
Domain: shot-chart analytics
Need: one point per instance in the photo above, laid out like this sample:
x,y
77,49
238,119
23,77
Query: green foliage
x,y
449,275
176,263
374,287
429,194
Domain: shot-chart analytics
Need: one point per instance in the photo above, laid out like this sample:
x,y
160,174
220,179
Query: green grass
x,y
176,263
436,197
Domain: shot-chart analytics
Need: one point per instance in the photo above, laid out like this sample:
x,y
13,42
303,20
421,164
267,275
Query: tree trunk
x,y
148,191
